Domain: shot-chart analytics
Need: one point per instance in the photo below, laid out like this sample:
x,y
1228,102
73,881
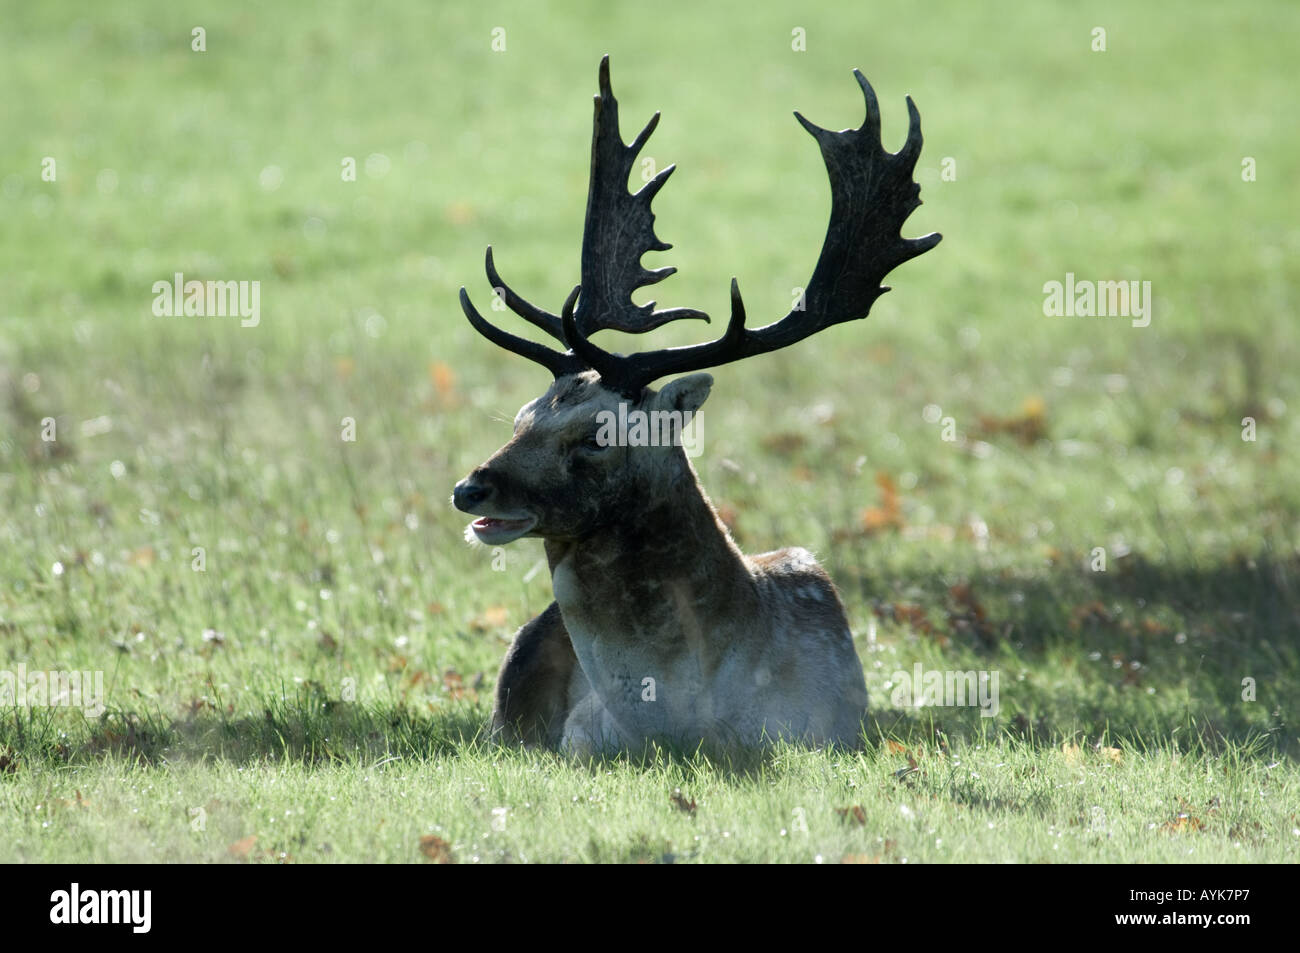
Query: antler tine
x,y
871,124
872,195
555,362
911,150
548,322
619,229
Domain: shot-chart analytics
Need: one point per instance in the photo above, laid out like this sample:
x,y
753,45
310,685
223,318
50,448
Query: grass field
x,y
319,691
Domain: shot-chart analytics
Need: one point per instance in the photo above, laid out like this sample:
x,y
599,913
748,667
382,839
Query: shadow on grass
x,y
307,729
1197,655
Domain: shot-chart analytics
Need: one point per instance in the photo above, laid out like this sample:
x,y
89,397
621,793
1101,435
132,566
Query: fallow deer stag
x,y
661,628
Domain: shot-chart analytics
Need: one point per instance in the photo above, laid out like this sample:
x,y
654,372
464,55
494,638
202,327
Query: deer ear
x,y
686,393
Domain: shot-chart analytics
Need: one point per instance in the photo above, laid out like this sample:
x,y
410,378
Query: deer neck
x,y
654,574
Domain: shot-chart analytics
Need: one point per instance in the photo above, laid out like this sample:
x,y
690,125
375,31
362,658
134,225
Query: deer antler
x,y
872,195
619,229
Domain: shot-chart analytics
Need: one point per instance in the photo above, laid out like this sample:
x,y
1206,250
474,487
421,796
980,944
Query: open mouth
x,y
492,530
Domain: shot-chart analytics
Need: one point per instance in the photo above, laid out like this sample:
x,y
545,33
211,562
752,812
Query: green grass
x,y
337,570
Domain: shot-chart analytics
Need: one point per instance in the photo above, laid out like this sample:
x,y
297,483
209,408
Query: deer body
x,y
661,628
782,665
679,636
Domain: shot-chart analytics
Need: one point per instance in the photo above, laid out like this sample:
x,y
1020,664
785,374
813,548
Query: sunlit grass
x,y
322,685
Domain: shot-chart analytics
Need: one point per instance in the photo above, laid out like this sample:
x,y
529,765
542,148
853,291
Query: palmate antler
x,y
872,194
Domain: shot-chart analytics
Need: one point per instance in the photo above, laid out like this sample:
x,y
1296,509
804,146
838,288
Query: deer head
x,y
557,478
560,478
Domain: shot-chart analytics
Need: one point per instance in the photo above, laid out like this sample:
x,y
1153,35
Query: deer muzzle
x,y
493,527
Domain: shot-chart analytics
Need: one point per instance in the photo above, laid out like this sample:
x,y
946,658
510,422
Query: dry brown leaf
x,y
242,847
1029,426
783,443
436,849
888,489
444,379
854,814
682,804
874,519
1182,823
904,613
887,515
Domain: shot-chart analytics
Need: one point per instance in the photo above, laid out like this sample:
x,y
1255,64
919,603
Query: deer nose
x,y
469,494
